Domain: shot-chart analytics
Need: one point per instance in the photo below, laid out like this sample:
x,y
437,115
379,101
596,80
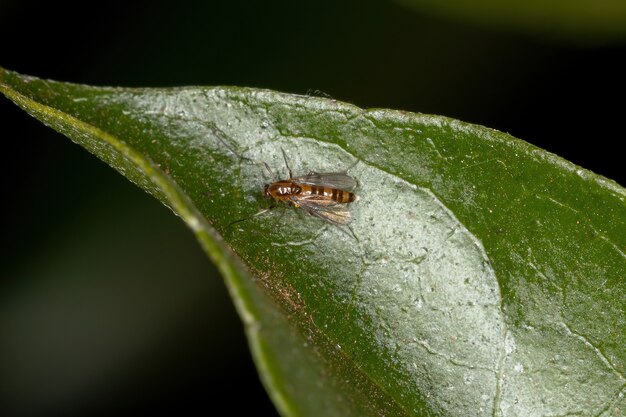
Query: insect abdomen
x,y
337,195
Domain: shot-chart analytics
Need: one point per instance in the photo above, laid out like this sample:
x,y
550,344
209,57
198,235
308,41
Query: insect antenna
x,y
286,163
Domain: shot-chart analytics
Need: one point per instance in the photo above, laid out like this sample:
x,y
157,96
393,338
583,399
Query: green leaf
x,y
581,21
480,275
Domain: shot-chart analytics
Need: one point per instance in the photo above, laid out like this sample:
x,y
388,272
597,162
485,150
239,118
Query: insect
x,y
322,195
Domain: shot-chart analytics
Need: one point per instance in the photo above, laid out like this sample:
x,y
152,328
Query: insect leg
x,y
223,138
269,170
352,166
251,217
318,93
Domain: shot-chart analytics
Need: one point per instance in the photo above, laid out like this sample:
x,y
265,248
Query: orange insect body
x,y
323,195
289,191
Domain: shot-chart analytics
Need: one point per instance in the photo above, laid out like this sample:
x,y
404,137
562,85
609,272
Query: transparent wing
x,y
324,208
339,180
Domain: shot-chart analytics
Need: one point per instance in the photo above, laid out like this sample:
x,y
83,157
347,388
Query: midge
x,y
323,195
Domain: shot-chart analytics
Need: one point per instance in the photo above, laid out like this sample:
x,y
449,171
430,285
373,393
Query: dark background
x,y
107,304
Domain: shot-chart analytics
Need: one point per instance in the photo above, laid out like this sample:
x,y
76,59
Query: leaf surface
x,y
480,275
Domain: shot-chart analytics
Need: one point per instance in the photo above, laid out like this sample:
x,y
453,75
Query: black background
x,y
106,334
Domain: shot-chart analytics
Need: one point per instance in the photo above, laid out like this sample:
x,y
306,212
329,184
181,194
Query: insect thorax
x,y
283,188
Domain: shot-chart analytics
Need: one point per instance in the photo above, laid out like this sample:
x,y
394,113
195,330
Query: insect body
x,y
323,195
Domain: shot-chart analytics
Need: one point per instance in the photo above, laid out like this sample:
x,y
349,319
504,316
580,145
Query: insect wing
x,y
325,208
339,180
